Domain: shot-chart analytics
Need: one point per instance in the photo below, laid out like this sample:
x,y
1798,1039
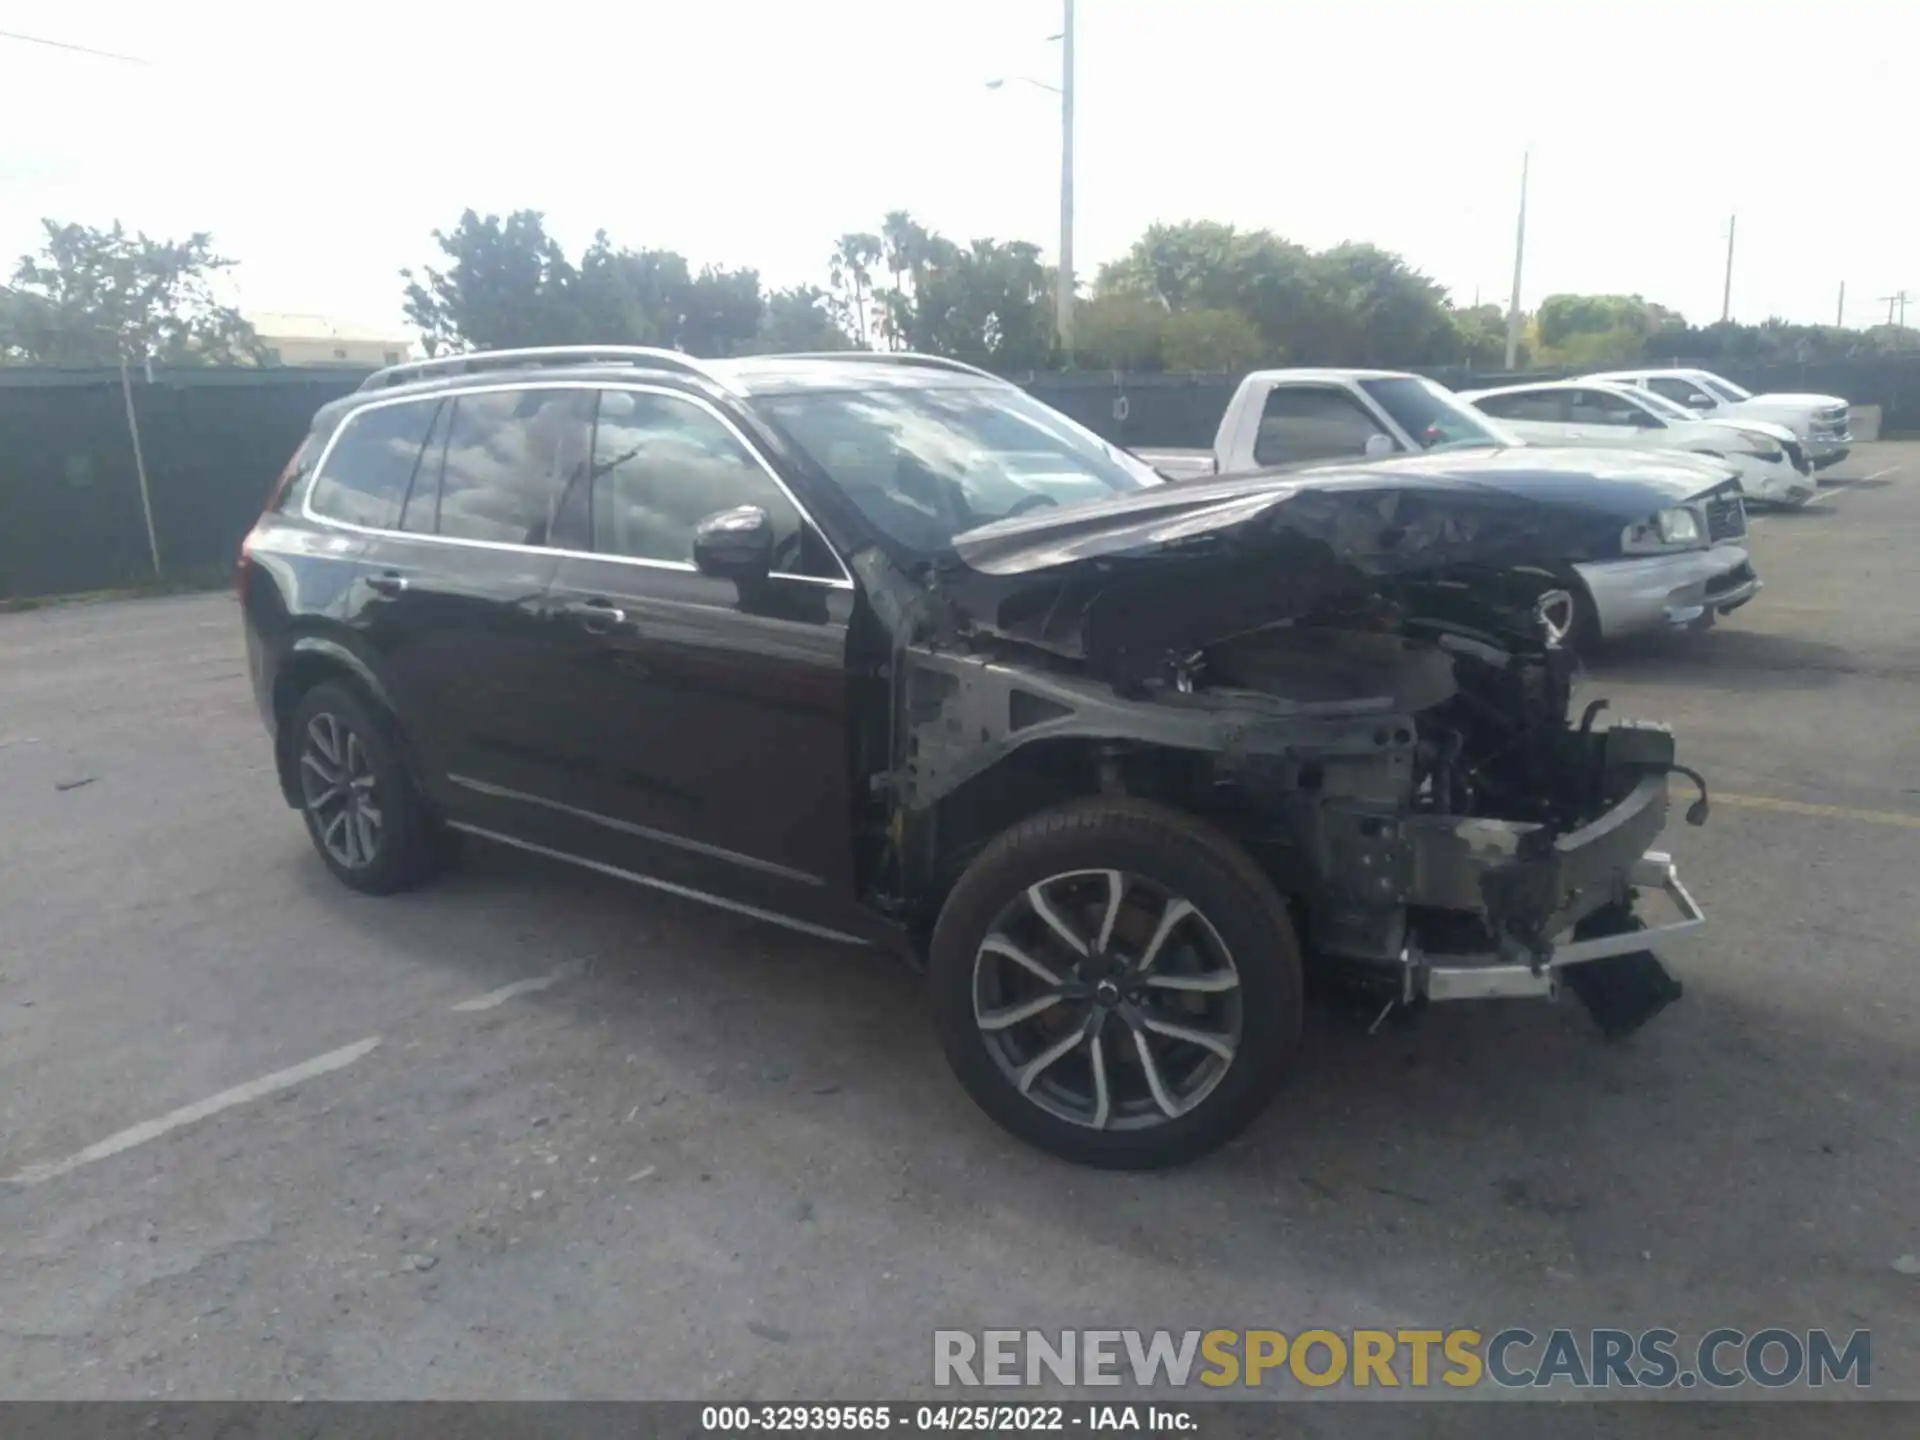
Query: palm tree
x,y
851,270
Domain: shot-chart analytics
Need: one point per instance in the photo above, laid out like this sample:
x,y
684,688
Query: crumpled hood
x,y
1524,505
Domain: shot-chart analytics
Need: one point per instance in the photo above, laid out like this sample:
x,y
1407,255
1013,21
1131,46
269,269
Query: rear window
x,y
372,463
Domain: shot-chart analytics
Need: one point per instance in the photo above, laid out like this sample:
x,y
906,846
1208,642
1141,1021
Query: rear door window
x,y
1598,407
365,478
1537,405
510,457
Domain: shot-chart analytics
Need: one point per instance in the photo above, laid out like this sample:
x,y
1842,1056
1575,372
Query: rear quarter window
x,y
375,454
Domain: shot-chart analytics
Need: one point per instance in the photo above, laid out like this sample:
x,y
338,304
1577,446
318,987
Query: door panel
x,y
707,725
458,631
704,722
455,602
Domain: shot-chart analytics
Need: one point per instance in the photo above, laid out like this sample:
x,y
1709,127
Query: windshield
x,y
1725,389
1435,417
926,465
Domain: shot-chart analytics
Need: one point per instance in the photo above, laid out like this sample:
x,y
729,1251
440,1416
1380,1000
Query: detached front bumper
x,y
1462,907
1669,592
1489,977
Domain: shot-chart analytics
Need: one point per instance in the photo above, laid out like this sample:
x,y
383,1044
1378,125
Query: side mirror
x,y
1697,401
734,544
1378,446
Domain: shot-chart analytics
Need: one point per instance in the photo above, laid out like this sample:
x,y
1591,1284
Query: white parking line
x,y
200,1110
521,987
1837,491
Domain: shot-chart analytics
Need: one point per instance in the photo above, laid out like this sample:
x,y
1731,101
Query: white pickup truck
x,y
1677,557
1821,423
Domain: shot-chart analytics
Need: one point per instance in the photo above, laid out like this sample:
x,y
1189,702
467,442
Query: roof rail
x,y
473,362
896,357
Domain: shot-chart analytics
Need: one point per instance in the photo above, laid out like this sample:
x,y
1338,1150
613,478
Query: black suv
x,y
880,649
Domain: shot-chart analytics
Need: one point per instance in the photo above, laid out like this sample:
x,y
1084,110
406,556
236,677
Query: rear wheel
x,y
1117,983
362,809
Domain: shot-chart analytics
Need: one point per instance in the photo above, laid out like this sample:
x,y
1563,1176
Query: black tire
x,y
407,845
1162,850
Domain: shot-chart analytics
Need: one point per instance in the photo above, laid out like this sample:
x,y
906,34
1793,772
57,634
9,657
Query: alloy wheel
x,y
340,792
1107,1000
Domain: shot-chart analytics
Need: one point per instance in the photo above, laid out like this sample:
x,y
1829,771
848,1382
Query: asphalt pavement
x,y
530,1133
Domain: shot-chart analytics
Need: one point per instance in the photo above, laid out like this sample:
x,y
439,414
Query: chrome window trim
x,y
845,582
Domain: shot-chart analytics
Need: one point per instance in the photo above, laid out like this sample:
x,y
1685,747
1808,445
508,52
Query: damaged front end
x,y
1363,683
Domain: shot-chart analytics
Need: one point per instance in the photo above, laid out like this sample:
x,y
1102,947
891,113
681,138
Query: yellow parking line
x,y
1830,812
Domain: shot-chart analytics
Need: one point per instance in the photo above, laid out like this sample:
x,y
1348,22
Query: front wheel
x,y
1117,983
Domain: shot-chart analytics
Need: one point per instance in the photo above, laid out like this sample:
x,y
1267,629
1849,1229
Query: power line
x,y
76,49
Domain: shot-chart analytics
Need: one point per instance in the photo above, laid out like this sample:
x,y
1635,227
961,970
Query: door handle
x,y
596,617
387,582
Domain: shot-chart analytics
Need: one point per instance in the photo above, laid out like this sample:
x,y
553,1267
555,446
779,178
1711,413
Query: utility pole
x,y
1063,283
1840,313
1063,272
1519,254
1899,299
1726,293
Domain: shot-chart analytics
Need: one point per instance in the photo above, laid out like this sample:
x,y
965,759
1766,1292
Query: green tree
x,y
629,297
507,283
1120,332
988,302
1204,265
94,297
1210,340
801,320
1384,312
1482,343
850,272
721,313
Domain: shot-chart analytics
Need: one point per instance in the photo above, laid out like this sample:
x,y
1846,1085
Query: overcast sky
x,y
322,143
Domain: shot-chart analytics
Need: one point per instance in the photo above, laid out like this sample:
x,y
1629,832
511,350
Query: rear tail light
x,y
275,498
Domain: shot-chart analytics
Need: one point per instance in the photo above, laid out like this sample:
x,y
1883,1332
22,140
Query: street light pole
x,y
1726,293
1063,282
1519,253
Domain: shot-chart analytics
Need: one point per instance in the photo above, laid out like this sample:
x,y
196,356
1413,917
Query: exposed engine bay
x,y
1398,755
